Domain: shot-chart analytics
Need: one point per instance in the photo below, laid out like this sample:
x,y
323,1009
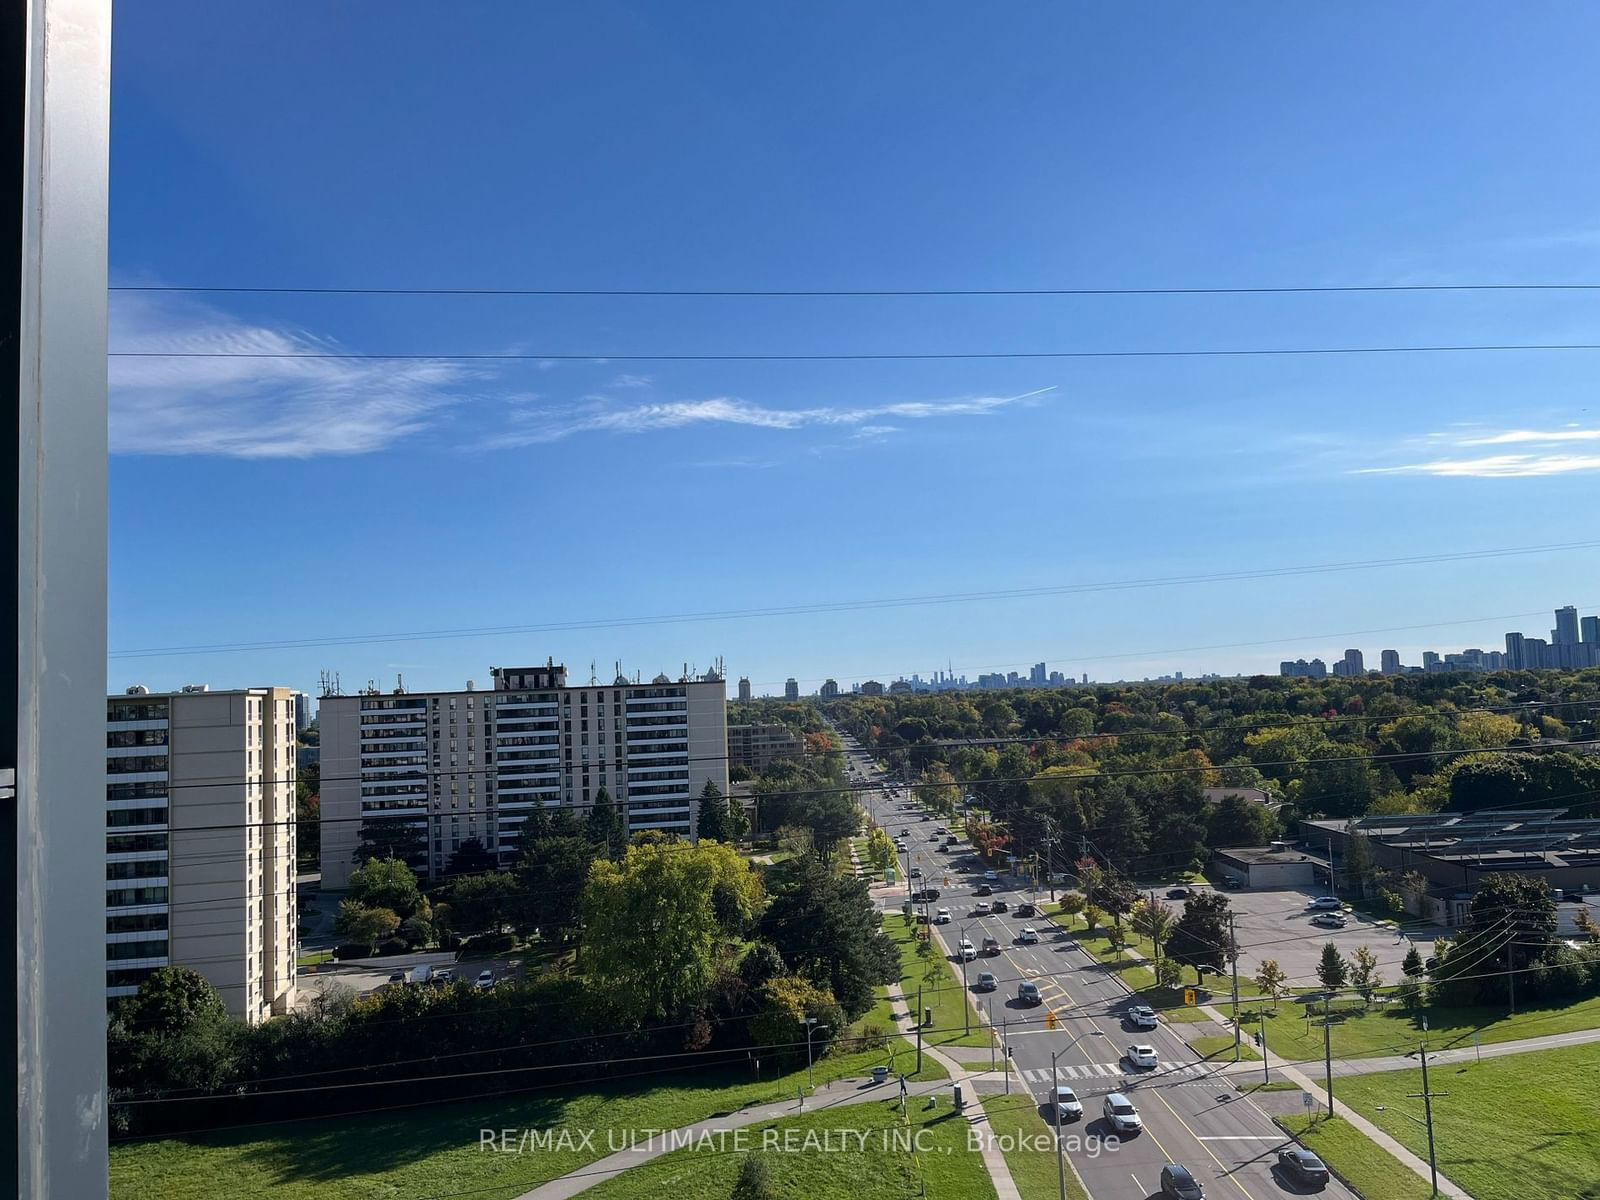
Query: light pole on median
x,y
966,1000
811,1027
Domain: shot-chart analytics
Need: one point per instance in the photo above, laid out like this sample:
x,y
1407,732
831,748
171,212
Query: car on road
x,y
926,895
1302,1166
984,890
1121,1115
1330,920
999,906
987,982
941,829
981,909
1142,1016
991,945
1028,936
966,950
1178,1183
485,980
1177,893
1142,1055
942,917
1326,903
1068,1106
1028,993
1024,909
926,817
444,975
916,872
991,877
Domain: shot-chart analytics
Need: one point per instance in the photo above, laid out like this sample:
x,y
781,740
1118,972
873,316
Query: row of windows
x,y
136,923
143,789
128,766
145,868
377,704
149,710
660,789
125,897
119,817
135,843
148,948
136,737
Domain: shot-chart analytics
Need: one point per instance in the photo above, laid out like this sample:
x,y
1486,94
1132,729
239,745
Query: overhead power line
x,y
858,605
866,293
878,356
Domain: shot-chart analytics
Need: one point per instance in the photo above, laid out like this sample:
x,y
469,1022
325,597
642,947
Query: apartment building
x,y
470,764
200,842
759,746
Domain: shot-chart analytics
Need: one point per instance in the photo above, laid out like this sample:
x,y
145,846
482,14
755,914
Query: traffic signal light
x,y
1188,995
1050,1019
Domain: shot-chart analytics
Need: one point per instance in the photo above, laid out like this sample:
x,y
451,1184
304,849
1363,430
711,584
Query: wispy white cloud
x,y
633,381
1495,466
875,431
257,407
600,415
1514,436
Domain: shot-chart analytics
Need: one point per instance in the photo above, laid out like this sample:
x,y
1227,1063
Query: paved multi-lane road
x,y
1192,1114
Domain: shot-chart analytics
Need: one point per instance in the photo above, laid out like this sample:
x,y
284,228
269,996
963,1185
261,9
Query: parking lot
x,y
1275,923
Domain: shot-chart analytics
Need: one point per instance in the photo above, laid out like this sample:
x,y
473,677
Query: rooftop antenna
x,y
593,678
399,684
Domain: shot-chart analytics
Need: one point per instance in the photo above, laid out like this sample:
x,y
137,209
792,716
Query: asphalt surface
x,y
1192,1115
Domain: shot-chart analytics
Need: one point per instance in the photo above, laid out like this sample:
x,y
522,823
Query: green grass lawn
x,y
944,1168
1220,1046
1512,1127
1392,1030
940,982
1372,1170
1016,1122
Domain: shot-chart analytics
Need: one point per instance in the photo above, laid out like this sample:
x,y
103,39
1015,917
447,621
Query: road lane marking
x,y
1227,1171
1242,1137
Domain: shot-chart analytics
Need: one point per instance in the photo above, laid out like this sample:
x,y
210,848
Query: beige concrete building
x,y
759,746
473,764
200,842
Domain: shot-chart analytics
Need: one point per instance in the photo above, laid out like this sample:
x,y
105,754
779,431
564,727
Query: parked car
x,y
485,980
966,950
1329,920
942,917
991,877
1142,1016
999,906
1068,1106
445,975
1177,893
984,890
397,977
1121,1115
1028,993
1024,909
905,833
421,973
1028,936
987,982
1143,1056
981,909
991,945
1177,1183
1302,1166
1326,902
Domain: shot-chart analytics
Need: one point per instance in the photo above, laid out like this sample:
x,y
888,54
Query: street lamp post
x,y
811,1027
966,1003
1055,1084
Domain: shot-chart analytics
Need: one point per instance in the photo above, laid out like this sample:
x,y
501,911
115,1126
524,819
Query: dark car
x,y
1025,909
1302,1166
916,872
925,896
984,890
999,906
1179,1184
1177,893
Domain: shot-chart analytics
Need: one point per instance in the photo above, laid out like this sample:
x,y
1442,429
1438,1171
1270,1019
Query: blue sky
x,y
843,146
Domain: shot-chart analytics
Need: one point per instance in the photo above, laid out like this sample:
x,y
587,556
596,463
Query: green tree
x,y
390,837
1154,920
1359,868
755,1180
652,935
481,903
1512,922
1093,916
365,925
385,883
1168,973
1364,976
827,928
550,877
1271,979
607,825
829,817
1236,821
738,819
1409,989
175,1000
713,817
471,858
786,1002
1332,971
1200,938
1072,904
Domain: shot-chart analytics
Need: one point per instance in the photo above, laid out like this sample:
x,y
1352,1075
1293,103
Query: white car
x,y
1068,1106
1330,920
1029,936
1326,902
967,950
1121,1115
942,917
485,980
1142,1016
981,908
1141,1055
990,877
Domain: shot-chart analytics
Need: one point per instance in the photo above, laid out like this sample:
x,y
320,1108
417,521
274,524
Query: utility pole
x,y
1266,1064
1511,973
1005,1044
1233,953
1426,1096
1327,1045
919,1029
1061,1162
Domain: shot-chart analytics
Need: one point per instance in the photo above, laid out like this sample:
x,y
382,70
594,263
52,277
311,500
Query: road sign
x,y
1308,1099
1050,1019
1188,996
